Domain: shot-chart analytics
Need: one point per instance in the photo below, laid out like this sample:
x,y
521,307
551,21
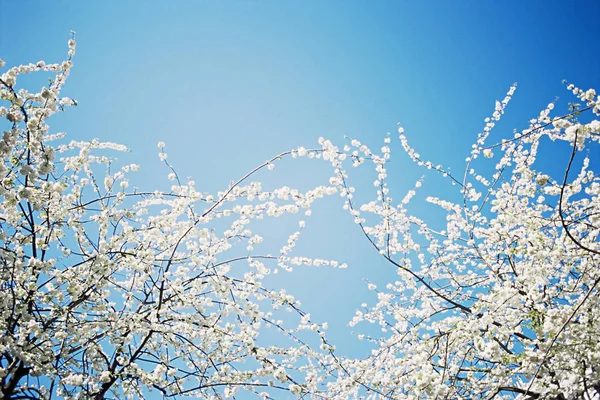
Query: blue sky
x,y
228,85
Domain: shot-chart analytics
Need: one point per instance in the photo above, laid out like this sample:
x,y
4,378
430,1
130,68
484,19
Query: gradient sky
x,y
229,84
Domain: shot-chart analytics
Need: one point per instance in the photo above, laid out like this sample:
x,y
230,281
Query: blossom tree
x,y
504,301
111,292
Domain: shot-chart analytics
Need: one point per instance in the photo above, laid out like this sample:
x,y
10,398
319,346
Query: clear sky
x,y
229,84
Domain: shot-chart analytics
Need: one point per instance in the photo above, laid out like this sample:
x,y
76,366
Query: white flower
x,y
594,126
280,375
65,101
295,389
589,95
571,132
487,153
105,376
541,180
159,370
74,380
